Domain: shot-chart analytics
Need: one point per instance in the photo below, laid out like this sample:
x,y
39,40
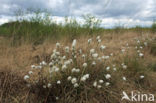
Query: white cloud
x,y
112,12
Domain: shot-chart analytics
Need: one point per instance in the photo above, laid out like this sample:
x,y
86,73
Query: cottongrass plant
x,y
75,73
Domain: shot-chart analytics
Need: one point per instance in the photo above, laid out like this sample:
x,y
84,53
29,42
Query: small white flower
x,y
107,68
26,77
77,70
138,51
69,78
114,69
98,37
49,85
83,79
92,51
80,51
64,57
138,41
124,66
136,47
83,56
123,50
94,63
89,41
44,86
57,98
64,67
99,40
76,85
30,72
145,43
56,69
95,55
58,82
107,76
74,80
107,84
101,81
51,64
67,49
95,84
73,70
111,54
84,65
99,86
74,43
102,47
141,54
86,76
124,78
141,47
105,57
142,76
57,45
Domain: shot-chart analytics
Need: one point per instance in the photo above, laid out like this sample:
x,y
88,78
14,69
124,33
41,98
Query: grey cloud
x,y
131,9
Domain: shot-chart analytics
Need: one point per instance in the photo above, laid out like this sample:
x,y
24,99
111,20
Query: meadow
x,y
45,62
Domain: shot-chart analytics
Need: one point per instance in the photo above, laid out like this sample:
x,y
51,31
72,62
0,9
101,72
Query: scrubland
x,y
94,67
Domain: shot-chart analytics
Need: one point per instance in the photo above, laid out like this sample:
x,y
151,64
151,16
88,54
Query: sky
x,y
126,13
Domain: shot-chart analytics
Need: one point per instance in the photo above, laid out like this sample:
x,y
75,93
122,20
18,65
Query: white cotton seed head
x,y
114,69
99,41
108,68
58,82
124,66
102,47
107,76
107,84
89,41
84,65
76,85
124,78
93,63
83,79
26,77
57,98
141,54
73,70
142,76
57,45
74,43
95,55
99,86
44,86
101,81
30,72
92,51
98,37
69,78
67,49
74,80
83,56
95,84
49,85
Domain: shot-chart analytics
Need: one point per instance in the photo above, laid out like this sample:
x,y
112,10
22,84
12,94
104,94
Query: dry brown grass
x,y
16,61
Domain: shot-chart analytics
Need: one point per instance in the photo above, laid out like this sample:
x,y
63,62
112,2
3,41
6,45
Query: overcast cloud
x,y
112,12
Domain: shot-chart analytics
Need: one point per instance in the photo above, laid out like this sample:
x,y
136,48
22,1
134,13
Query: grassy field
x,y
74,64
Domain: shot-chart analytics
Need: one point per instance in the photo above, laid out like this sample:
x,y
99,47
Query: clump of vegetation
x,y
75,75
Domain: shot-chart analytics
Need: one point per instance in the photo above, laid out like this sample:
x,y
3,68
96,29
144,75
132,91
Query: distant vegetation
x,y
40,26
